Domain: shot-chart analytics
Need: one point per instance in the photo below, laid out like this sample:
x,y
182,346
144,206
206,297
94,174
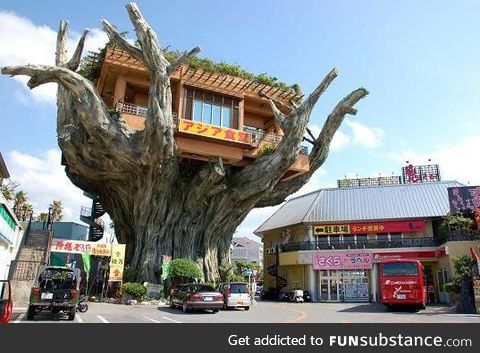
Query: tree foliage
x,y
463,270
185,268
57,210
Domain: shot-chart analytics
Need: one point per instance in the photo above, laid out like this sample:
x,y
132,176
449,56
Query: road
x,y
261,312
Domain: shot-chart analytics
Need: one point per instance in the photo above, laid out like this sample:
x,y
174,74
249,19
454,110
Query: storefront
x,y
342,276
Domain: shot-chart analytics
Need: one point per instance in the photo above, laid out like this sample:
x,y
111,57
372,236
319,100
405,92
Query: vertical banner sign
x,y
117,262
166,266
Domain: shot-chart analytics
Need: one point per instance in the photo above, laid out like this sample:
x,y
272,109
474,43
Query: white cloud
x,y
24,42
456,161
359,134
365,136
43,178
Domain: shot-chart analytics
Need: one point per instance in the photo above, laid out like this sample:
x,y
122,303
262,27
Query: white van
x,y
235,295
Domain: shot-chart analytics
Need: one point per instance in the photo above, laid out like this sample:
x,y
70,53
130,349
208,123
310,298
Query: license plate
x,y
208,299
401,296
47,295
239,303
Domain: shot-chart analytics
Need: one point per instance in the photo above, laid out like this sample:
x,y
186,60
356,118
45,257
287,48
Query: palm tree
x,y
57,211
19,200
8,192
25,211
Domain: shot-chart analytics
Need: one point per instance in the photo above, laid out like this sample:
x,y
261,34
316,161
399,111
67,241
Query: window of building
x,y
209,108
361,238
382,236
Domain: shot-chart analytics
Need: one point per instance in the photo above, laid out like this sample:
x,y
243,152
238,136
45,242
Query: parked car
x,y
6,305
235,295
55,289
193,296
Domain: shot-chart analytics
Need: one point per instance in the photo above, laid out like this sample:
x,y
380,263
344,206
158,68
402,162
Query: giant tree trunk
x,y
160,203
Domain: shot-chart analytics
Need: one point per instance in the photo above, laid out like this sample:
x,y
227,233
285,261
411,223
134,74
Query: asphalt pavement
x,y
260,312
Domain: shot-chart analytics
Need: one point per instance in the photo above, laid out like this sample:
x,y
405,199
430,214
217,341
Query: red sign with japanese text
x,y
80,247
370,228
404,255
342,260
217,132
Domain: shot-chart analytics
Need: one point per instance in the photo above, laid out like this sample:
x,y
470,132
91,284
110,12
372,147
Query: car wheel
x,y
71,313
247,308
185,307
30,312
214,311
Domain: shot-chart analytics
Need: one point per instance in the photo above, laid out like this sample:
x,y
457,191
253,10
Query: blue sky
x,y
419,61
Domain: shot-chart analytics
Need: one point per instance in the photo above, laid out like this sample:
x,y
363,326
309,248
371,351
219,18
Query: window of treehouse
x,y
209,108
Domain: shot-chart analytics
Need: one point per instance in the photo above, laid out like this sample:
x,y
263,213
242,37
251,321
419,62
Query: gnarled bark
x,y
160,203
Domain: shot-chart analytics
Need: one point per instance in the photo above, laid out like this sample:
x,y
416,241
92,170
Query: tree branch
x,y
86,97
74,62
206,183
174,65
319,152
147,38
308,104
122,42
61,49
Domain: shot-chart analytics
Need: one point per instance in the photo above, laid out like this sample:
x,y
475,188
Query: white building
x,y
246,249
10,229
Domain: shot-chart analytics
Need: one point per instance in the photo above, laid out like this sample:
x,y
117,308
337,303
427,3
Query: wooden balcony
x,y
202,141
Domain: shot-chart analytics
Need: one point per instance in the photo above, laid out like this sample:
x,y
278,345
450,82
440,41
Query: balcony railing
x,y
257,135
472,235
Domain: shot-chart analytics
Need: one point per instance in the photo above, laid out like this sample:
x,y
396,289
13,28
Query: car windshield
x,y
238,288
57,278
400,269
203,288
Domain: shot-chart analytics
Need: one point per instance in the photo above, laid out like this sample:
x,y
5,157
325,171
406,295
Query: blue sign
x,y
247,272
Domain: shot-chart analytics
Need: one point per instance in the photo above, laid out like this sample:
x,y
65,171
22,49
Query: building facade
x,y
215,115
246,249
11,230
331,241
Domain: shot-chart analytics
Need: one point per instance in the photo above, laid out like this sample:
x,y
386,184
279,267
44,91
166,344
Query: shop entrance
x,y
343,286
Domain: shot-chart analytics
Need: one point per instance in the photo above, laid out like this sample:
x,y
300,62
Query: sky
x,y
418,59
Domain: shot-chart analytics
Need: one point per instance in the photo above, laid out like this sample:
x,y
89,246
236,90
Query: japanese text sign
x,y
217,132
117,262
464,199
80,247
342,260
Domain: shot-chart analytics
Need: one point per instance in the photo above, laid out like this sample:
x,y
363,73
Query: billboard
x,y
370,228
420,173
342,260
465,199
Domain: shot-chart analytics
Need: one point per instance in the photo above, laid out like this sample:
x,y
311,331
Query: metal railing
x,y
257,135
460,235
129,108
24,270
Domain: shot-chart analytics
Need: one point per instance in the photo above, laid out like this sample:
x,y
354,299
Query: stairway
x,y
281,282
32,253
91,216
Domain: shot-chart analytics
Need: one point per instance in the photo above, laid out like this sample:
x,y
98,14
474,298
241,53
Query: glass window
x,y
226,117
207,113
197,110
216,115
239,288
382,236
210,108
400,269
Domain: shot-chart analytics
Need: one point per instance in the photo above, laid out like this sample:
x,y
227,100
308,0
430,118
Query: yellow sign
x,y
217,132
117,262
331,229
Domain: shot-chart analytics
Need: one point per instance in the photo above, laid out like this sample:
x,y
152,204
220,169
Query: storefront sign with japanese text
x,y
342,260
80,247
406,255
217,132
370,228
117,262
420,173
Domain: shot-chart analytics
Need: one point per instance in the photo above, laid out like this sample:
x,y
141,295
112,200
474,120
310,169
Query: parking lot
x,y
261,312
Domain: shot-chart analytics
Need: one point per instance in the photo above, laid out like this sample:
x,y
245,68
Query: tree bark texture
x,y
162,204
